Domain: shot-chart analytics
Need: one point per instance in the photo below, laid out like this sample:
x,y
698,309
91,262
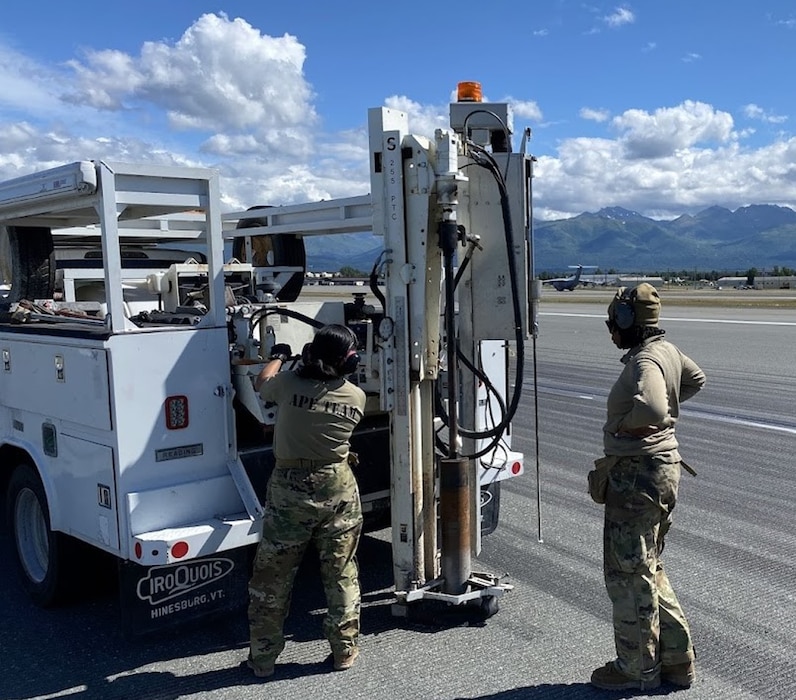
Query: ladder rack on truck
x,y
163,464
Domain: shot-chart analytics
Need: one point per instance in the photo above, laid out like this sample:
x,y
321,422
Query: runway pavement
x,y
730,556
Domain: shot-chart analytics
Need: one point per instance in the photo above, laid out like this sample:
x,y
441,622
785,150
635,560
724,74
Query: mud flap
x,y
156,598
490,508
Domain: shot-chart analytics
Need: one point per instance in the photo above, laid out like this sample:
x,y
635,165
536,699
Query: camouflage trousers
x,y
649,625
304,505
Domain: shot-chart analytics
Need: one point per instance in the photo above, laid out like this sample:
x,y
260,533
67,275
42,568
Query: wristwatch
x,y
279,356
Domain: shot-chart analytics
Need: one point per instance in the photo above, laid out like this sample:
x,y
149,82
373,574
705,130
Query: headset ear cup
x,y
625,313
350,363
306,354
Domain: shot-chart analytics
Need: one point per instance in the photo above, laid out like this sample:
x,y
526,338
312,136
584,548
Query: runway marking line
x,y
686,320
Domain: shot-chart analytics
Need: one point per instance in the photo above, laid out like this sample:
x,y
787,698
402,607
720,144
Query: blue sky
x,y
660,107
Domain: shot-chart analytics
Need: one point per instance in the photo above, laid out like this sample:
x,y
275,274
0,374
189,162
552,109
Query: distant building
x,y
633,280
618,280
760,282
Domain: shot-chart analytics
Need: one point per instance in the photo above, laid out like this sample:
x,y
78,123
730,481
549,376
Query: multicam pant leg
x,y
336,539
649,625
674,643
303,505
287,529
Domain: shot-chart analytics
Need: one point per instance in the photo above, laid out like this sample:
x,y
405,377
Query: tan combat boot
x,y
609,677
260,671
342,662
682,675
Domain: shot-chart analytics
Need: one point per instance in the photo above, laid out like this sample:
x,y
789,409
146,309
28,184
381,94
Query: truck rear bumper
x,y
177,544
504,465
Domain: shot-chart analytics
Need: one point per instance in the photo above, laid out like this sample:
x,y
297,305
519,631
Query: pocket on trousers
x,y
598,478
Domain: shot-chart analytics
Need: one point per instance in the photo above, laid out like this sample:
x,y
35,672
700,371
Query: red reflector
x,y
138,550
176,408
516,468
179,549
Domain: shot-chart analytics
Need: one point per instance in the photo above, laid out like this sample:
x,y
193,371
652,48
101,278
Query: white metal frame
x,y
115,194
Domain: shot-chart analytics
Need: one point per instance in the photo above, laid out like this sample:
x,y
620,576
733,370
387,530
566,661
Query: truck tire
x,y
489,606
42,555
29,262
267,251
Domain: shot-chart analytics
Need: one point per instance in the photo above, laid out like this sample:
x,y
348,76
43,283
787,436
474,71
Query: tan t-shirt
x,y
315,418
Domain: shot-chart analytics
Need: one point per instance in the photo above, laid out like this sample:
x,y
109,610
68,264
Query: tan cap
x,y
637,306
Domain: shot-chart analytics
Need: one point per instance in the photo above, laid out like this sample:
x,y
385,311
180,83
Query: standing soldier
x,y
312,496
637,481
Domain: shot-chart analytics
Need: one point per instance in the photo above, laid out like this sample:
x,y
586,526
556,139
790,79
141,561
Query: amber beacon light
x,y
468,92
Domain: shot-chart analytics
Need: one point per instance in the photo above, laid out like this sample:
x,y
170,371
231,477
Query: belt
x,y
307,463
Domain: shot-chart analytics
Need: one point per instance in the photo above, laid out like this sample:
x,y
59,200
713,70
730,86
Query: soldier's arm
x,y
650,402
691,380
270,370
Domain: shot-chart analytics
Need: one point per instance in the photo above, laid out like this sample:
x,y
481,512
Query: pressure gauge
x,y
386,328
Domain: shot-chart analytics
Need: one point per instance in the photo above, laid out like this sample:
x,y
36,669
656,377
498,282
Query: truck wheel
x,y
489,606
28,262
269,251
40,552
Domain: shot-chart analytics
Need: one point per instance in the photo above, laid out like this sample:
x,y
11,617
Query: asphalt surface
x,y
730,556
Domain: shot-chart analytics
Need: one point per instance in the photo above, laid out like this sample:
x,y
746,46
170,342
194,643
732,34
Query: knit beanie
x,y
647,304
644,301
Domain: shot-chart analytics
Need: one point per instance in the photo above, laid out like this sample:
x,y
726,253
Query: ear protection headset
x,y
624,309
351,359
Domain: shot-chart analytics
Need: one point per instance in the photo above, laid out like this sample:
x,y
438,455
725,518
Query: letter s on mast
x,y
391,143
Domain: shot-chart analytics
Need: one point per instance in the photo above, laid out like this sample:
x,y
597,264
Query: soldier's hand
x,y
280,351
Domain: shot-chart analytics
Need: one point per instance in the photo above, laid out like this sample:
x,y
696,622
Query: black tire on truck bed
x,y
283,250
31,264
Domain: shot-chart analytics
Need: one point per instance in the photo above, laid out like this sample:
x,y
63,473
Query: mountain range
x,y
716,238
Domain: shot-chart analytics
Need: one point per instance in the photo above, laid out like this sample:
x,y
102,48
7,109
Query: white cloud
x,y
691,57
619,17
689,174
25,147
221,75
525,109
27,86
753,111
667,130
595,115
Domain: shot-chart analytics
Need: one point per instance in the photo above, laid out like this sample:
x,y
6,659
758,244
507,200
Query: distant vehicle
x,y
567,284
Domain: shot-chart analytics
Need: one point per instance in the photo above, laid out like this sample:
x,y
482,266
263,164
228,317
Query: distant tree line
x,y
692,274
348,271
715,275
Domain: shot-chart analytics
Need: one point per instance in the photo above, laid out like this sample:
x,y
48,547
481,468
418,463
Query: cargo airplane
x,y
567,284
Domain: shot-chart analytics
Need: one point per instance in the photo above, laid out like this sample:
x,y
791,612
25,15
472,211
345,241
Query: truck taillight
x,y
176,408
179,549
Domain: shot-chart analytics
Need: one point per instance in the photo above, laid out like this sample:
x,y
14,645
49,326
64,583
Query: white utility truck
x,y
129,424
